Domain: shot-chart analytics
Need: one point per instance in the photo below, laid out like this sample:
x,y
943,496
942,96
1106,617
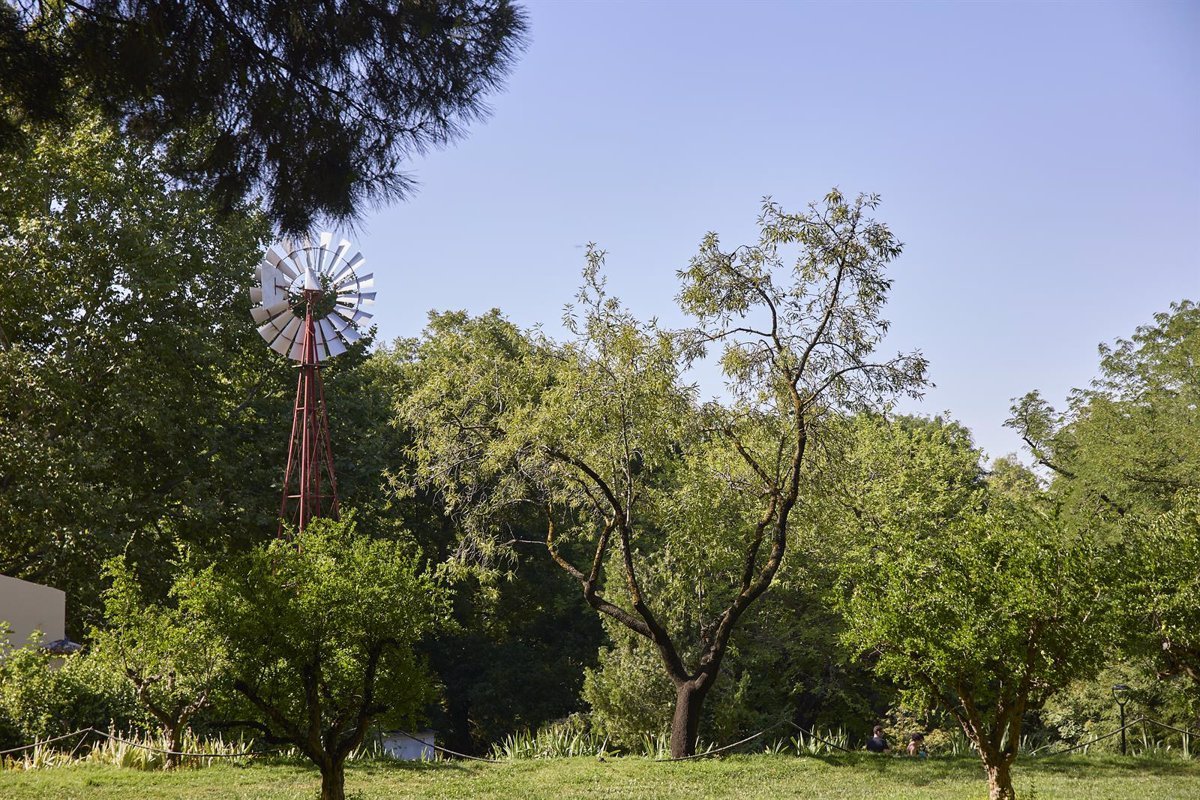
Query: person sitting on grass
x,y
916,746
878,743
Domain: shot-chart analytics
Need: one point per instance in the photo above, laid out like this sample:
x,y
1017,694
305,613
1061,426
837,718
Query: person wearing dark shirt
x,y
877,743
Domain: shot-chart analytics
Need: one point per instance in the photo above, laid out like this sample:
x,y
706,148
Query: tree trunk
x,y
1000,780
174,744
689,700
333,780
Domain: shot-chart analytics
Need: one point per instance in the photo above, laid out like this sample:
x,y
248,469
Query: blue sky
x,y
1041,162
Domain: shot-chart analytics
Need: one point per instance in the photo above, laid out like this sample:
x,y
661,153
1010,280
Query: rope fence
x,y
83,733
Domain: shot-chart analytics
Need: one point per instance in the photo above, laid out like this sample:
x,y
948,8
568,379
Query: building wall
x,y
29,607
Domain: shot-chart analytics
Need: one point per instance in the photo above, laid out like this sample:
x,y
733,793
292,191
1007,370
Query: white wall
x,y
418,747
29,607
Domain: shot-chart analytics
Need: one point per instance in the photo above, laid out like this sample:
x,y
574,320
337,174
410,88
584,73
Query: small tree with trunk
x,y
321,628
687,507
168,652
984,614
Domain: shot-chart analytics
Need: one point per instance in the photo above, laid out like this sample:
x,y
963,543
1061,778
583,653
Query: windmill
x,y
308,304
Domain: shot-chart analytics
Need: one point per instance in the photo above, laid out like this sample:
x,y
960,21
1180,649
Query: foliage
x,y
980,604
1163,593
320,629
563,739
1125,457
629,696
314,106
169,653
138,408
1086,708
1130,442
690,507
514,659
125,354
43,696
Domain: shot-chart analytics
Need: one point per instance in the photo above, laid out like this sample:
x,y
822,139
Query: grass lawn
x,y
758,776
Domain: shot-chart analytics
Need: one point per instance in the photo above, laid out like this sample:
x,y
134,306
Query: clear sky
x,y
1040,161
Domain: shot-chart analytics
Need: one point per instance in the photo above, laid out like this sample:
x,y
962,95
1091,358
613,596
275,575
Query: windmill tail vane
x,y
309,299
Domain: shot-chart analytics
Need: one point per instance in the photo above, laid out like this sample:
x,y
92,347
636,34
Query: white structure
x,y
415,747
29,607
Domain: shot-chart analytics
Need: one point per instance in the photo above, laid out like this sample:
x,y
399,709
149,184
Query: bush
x,y
42,696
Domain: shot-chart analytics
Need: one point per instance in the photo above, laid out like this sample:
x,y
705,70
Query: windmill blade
x,y
322,351
353,265
292,329
333,336
269,333
328,331
356,298
350,334
339,255
272,329
312,282
282,262
307,249
365,282
323,252
265,312
336,347
282,345
350,278
256,295
296,352
352,314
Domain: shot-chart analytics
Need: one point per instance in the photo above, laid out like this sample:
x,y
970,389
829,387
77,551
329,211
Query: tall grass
x,y
557,740
819,743
129,750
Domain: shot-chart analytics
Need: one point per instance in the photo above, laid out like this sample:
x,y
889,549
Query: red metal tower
x,y
309,300
309,485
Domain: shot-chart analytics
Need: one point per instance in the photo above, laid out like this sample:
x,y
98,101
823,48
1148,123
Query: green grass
x,y
759,776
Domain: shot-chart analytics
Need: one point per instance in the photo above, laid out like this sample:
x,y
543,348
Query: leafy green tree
x,y
1131,440
138,407
1125,459
321,629
129,374
43,696
637,481
976,601
1164,592
169,653
312,105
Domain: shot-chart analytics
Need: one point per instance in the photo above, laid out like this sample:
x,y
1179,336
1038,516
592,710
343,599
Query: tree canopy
x,y
321,629
977,602
314,106
650,499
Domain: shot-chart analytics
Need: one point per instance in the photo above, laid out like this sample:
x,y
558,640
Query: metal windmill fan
x,y
309,302
295,276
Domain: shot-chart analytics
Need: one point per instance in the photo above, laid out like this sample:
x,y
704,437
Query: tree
x,y
1129,442
635,478
130,375
1163,589
1125,459
320,629
975,600
312,105
169,653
